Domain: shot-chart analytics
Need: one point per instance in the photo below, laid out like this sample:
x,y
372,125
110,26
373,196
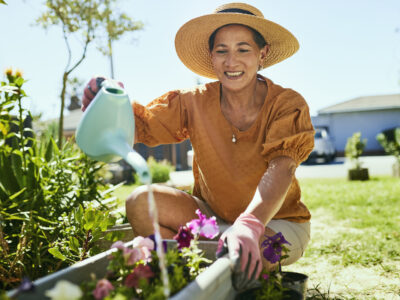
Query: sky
x,y
348,49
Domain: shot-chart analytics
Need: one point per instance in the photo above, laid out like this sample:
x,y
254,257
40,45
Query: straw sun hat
x,y
191,41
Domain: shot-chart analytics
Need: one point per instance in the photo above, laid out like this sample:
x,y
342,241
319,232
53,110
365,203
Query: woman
x,y
248,136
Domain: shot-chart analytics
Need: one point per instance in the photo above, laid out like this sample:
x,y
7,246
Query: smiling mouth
x,y
234,74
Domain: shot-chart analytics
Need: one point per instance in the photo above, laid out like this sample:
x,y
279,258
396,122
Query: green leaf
x,y
16,165
89,220
7,177
56,150
74,244
57,254
3,2
17,194
46,220
49,151
397,136
19,81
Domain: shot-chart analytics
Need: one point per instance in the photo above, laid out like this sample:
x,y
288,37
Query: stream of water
x,y
160,250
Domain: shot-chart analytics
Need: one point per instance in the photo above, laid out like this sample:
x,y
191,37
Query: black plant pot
x,y
295,282
358,174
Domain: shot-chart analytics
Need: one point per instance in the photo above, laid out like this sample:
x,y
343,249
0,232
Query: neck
x,y
245,98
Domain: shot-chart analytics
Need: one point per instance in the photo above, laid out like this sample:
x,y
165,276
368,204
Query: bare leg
x,y
175,208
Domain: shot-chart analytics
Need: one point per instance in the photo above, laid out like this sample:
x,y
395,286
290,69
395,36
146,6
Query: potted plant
x,y
354,148
130,271
390,141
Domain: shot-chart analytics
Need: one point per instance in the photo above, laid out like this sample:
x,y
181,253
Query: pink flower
x,y
265,276
119,245
183,237
131,256
103,288
144,247
203,226
140,242
140,272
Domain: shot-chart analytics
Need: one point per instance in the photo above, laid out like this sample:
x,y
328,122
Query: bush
x,y
51,200
390,141
354,148
159,170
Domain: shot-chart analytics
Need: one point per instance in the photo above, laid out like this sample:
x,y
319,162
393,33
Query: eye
x,y
221,51
243,50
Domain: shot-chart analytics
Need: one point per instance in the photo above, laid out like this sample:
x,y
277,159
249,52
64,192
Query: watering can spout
x,y
106,130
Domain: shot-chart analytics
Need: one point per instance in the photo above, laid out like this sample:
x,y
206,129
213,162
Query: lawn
x,y
354,252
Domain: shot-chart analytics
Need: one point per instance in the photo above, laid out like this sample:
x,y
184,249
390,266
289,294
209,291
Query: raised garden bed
x,y
214,283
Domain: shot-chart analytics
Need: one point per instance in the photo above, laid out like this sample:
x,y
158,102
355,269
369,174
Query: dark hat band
x,y
236,10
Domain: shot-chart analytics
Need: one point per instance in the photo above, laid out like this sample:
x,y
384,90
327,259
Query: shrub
x,y
390,141
51,200
354,148
159,170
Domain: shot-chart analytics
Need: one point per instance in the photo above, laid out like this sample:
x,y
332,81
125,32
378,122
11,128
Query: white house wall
x,y
342,125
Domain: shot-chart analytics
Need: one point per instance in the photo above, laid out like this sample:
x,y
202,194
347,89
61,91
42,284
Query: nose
x,y
231,60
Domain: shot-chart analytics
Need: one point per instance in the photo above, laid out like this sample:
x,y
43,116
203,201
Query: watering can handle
x,y
107,82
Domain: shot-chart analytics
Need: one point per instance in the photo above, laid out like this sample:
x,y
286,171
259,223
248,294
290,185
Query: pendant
x,y
233,138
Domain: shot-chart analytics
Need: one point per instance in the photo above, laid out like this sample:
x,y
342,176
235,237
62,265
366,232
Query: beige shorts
x,y
297,234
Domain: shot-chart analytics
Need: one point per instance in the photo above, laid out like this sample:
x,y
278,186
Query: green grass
x,y
123,192
355,233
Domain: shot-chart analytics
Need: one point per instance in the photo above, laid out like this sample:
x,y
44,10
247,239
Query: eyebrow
x,y
239,44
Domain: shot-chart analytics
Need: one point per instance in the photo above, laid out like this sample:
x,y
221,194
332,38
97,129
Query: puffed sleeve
x,y
163,121
290,131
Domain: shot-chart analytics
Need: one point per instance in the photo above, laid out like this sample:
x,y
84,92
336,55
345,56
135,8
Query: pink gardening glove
x,y
242,240
91,90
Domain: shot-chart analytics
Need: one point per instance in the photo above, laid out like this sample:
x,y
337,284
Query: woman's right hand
x,y
91,89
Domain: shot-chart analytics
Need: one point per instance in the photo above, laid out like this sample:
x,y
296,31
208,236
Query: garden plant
x,y
390,141
52,203
354,148
159,170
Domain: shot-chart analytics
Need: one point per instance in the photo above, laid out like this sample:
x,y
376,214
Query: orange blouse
x,y
226,174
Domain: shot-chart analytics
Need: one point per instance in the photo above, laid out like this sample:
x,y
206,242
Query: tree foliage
x,y
87,21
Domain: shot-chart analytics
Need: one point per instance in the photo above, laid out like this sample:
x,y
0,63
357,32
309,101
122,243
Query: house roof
x,y
368,103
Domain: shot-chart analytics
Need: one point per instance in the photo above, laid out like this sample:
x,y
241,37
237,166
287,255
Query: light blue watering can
x,y
107,129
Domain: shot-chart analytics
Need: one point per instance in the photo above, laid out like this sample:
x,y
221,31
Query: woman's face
x,y
236,57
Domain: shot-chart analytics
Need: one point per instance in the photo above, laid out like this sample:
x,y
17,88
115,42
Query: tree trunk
x,y
111,58
61,120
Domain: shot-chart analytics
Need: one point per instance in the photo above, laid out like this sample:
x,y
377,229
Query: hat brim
x,y
191,40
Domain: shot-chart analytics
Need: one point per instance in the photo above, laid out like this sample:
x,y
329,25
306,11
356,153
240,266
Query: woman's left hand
x,y
243,242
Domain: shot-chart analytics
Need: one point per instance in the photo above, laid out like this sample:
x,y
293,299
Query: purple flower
x,y
203,226
140,272
273,247
103,288
164,243
265,276
183,237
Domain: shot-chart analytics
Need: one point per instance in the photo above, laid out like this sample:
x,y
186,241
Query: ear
x,y
264,52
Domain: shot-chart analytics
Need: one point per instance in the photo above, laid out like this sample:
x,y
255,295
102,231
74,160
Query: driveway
x,y
377,166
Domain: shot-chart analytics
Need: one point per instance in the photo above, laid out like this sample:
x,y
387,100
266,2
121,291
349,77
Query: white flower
x,y
64,290
8,89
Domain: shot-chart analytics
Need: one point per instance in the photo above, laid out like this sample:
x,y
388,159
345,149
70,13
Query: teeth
x,y
234,73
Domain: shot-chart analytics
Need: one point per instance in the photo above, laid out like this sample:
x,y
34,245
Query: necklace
x,y
233,138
